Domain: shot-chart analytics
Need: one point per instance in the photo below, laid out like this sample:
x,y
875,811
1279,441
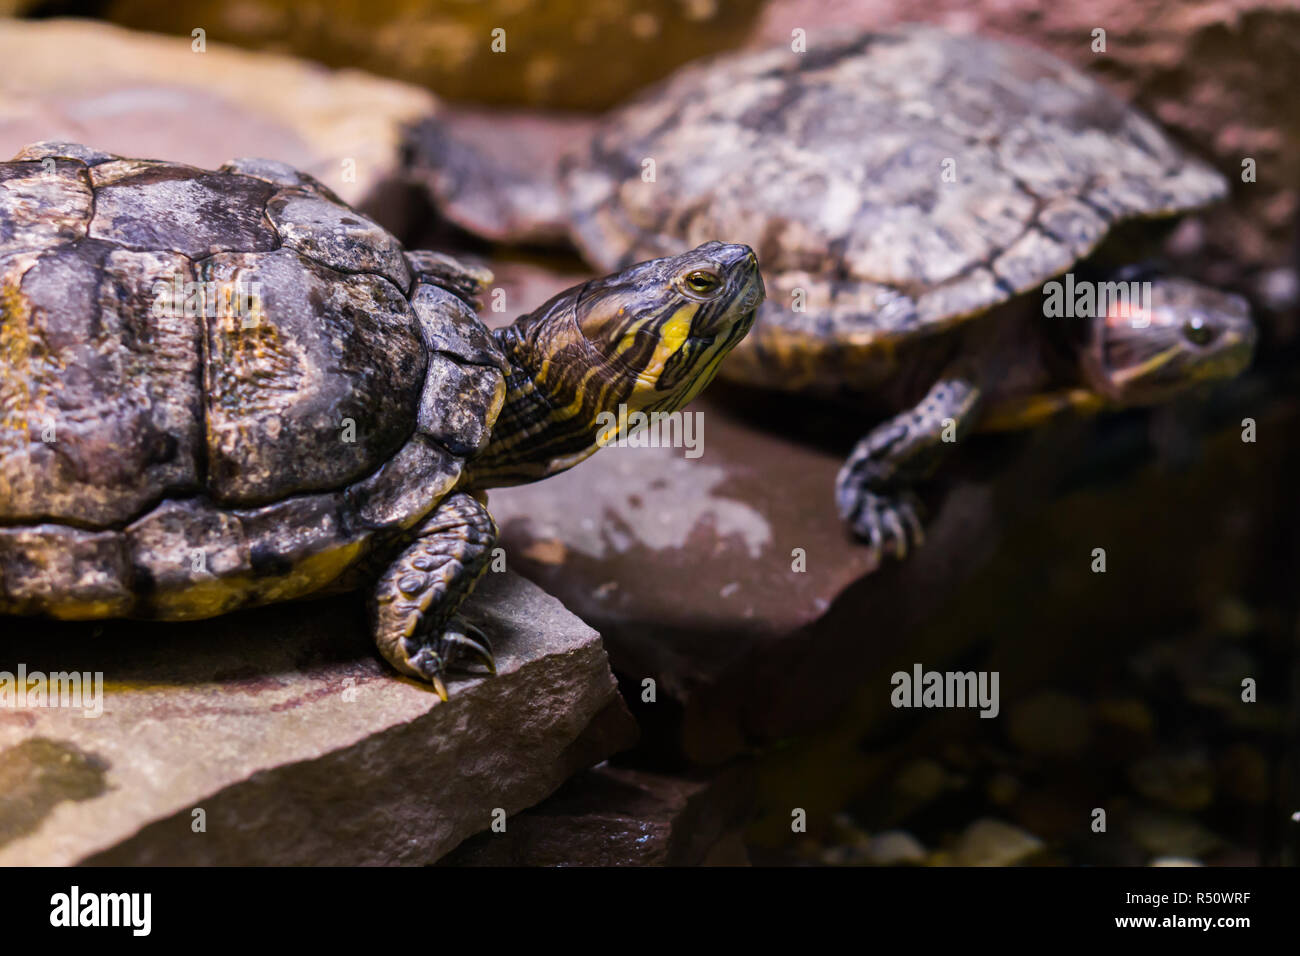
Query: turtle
x,y
929,208
226,388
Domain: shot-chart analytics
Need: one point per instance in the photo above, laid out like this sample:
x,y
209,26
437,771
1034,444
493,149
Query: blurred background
x,y
1119,691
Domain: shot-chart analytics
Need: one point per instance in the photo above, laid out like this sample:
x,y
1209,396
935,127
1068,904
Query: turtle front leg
x,y
414,605
873,489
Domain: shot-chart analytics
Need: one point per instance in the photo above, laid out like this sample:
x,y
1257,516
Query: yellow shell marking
x,y
211,596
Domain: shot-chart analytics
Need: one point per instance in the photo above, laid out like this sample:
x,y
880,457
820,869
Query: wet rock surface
x,y
144,95
616,816
277,736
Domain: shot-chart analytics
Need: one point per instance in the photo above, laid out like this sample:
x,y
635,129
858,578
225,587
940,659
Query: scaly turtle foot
x,y
884,522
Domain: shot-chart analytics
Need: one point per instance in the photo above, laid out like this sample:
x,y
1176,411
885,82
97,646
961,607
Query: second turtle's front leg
x,y
414,605
873,490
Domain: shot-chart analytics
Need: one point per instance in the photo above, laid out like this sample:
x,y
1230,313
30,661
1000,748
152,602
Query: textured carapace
x,y
217,388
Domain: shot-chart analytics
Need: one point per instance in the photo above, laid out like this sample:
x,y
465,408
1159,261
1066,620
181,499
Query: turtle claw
x,y
428,663
458,646
475,632
886,523
431,661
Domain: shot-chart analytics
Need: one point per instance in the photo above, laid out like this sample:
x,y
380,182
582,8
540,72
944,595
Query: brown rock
x,y
143,95
570,54
1169,834
613,816
988,842
297,744
893,848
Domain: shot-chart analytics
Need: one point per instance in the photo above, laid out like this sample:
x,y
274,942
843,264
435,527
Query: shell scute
x,y
100,391
43,204
316,388
155,206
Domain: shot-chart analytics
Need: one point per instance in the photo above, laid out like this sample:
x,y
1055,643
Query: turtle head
x,y
1166,337
659,329
647,339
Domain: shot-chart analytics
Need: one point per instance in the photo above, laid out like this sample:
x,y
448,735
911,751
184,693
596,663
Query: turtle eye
x,y
702,281
1198,332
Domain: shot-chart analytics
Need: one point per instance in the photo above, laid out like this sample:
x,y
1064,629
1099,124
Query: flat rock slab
x,y
619,816
297,744
147,96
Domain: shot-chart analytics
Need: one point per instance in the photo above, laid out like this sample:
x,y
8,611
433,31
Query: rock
x,y
295,741
1177,781
142,95
1171,834
894,848
989,842
1049,724
569,54
853,846
614,816
485,166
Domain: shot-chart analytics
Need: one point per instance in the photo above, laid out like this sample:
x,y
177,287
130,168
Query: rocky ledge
x,y
277,736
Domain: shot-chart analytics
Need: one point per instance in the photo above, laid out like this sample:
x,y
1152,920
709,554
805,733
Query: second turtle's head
x,y
1145,348
644,340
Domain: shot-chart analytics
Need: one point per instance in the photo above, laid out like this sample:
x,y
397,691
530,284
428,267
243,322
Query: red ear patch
x,y
1135,315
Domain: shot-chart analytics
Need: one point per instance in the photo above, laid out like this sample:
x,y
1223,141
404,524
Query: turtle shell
x,y
217,388
891,183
